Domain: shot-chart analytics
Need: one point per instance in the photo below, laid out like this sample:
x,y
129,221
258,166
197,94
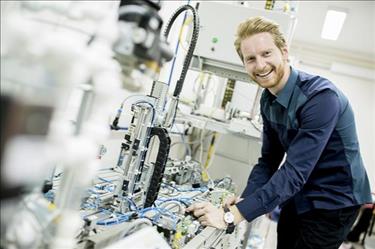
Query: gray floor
x,y
263,234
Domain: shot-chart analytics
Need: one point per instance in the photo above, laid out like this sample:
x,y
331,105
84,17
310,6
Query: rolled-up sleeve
x,y
318,118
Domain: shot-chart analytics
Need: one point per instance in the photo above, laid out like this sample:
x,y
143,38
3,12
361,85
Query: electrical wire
x,y
116,120
131,202
183,200
142,212
186,23
115,220
172,204
201,144
152,108
188,149
193,42
104,180
176,49
201,189
210,156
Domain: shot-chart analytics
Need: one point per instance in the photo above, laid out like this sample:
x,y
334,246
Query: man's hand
x,y
232,200
208,214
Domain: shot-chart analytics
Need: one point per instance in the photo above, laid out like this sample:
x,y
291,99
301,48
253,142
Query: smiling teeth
x,y
265,74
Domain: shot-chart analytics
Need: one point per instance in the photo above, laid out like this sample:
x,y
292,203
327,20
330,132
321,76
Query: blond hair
x,y
256,25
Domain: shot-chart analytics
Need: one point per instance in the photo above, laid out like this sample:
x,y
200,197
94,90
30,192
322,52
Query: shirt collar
x,y
284,95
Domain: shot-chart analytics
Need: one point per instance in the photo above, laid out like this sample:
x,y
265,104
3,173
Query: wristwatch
x,y
229,219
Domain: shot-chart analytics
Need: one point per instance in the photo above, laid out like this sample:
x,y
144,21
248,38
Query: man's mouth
x,y
264,75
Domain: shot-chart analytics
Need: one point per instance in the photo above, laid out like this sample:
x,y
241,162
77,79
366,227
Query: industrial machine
x,y
140,200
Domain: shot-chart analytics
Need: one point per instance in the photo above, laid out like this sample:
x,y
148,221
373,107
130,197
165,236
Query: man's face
x,y
264,61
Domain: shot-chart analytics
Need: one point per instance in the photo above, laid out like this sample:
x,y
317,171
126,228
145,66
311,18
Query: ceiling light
x,y
333,24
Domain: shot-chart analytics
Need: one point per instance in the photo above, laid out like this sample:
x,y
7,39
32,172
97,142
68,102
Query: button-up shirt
x,y
311,122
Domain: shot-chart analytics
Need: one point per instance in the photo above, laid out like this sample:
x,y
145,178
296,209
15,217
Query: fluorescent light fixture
x,y
333,24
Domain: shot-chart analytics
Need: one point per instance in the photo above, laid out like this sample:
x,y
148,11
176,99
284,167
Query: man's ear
x,y
285,53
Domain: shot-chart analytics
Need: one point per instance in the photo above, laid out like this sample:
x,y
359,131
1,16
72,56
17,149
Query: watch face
x,y
228,217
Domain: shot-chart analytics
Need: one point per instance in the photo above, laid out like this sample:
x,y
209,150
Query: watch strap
x,y
230,226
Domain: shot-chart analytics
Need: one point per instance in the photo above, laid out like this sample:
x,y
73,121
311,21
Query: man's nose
x,y
260,64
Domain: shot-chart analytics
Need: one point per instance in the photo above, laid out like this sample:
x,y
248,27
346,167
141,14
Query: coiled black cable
x,y
191,48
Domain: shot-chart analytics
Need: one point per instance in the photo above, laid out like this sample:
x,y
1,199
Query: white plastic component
x,y
218,43
69,224
241,127
192,228
16,170
145,238
198,123
244,127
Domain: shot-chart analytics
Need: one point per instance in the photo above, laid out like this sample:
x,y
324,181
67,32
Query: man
x,y
322,182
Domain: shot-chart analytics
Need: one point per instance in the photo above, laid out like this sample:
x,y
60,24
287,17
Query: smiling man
x,y
322,182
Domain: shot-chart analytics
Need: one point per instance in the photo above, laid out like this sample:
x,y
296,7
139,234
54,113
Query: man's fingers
x,y
230,201
204,223
190,208
196,206
199,212
200,205
202,219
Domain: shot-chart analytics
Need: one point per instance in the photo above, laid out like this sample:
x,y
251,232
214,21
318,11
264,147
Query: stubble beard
x,y
280,72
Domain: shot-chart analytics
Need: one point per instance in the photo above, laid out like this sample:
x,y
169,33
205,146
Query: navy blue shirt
x,y
311,122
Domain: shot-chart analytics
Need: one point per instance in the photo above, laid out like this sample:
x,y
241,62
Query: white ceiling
x,y
358,33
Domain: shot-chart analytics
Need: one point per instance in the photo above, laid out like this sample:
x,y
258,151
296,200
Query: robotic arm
x,y
140,47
